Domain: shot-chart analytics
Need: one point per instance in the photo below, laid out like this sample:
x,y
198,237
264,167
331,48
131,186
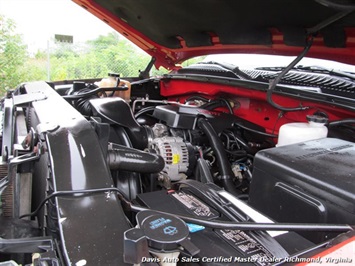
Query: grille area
x,y
328,84
6,202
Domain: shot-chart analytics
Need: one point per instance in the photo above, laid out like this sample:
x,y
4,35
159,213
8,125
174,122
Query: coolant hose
x,y
221,156
129,159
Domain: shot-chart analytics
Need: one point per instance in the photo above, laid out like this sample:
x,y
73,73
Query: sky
x,y
38,20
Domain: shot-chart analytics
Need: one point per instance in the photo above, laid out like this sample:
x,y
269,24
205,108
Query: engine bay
x,y
171,173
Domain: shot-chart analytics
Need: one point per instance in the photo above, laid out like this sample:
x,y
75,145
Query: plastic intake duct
x,y
129,159
115,111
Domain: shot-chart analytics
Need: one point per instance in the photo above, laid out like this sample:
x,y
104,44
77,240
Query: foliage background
x,y
65,61
12,54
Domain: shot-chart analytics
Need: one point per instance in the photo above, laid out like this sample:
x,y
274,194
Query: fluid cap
x,y
317,119
165,232
115,75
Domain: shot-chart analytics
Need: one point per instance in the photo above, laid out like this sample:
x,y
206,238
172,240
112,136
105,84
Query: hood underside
x,y
175,30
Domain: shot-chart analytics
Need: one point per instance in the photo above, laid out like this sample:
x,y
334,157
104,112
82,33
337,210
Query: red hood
x,y
175,30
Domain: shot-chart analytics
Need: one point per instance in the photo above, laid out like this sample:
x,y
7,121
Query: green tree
x,y
115,54
13,54
110,39
96,58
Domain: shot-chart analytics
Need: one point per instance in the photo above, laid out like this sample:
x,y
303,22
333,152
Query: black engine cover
x,y
310,182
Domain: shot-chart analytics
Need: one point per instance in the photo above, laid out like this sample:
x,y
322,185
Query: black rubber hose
x,y
144,111
256,131
197,97
342,122
78,193
221,156
211,105
129,159
275,81
87,94
243,143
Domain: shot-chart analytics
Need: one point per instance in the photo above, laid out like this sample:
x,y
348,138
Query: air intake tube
x,y
221,156
129,159
115,111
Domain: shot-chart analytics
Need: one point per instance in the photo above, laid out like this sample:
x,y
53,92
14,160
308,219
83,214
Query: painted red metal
x,y
340,254
251,104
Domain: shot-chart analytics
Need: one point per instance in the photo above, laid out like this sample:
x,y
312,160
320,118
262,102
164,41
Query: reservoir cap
x,y
165,232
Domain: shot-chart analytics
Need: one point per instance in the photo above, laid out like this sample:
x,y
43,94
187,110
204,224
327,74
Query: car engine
x,y
178,179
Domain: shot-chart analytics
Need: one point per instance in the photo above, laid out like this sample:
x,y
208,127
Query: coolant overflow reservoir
x,y
113,80
299,132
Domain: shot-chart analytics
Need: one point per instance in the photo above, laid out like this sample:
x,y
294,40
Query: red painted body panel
x,y
253,105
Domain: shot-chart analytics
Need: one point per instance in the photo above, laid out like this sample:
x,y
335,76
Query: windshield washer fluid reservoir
x,y
299,132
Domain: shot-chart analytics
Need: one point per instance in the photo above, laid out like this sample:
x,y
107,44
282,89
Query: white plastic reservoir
x,y
298,132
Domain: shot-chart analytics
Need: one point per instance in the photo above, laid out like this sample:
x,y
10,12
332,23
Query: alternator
x,y
175,154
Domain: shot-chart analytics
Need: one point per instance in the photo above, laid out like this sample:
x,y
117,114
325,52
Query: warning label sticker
x,y
246,245
194,205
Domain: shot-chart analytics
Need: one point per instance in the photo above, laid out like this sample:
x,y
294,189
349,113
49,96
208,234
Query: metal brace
x,y
20,100
26,245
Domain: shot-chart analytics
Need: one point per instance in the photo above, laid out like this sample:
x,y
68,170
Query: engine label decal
x,y
246,245
195,206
